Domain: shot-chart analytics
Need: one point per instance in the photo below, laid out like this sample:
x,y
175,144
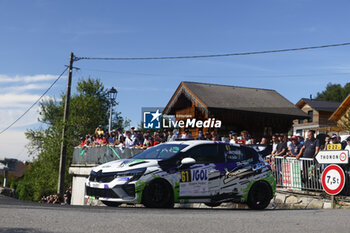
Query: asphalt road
x,y
20,216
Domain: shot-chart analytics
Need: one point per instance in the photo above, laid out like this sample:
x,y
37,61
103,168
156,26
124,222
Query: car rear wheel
x,y
158,194
260,195
111,203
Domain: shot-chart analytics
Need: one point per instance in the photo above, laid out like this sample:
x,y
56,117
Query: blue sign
x,y
151,119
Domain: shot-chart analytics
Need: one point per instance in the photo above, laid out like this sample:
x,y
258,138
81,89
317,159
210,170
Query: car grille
x,y
96,192
102,178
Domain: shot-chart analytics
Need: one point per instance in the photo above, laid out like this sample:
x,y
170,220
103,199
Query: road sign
x,y
333,179
333,157
334,147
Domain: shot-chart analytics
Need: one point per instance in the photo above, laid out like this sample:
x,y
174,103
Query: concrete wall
x,y
80,174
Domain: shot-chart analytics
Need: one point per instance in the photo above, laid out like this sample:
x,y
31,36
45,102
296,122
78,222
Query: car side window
x,y
234,154
205,154
250,154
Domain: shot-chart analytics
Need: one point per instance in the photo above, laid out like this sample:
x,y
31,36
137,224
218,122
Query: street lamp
x,y
112,94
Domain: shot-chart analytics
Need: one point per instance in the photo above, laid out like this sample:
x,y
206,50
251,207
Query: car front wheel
x,y
158,194
260,195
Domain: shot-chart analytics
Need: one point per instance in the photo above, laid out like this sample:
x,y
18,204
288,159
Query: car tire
x,y
111,203
158,194
260,195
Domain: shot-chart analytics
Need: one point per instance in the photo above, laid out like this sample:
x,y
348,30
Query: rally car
x,y
185,172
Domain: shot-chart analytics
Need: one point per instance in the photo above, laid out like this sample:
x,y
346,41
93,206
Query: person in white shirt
x,y
348,144
132,133
233,137
274,144
129,141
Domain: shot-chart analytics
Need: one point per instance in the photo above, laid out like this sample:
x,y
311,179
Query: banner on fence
x,y
291,174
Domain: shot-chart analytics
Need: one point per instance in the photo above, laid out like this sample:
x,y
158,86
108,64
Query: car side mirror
x,y
186,162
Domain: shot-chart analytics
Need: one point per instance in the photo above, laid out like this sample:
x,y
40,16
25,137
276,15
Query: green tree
x,y
334,92
88,108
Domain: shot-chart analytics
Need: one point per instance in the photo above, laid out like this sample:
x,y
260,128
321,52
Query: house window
x,y
311,115
300,121
299,132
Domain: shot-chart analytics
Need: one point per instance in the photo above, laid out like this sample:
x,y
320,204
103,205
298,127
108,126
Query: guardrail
x,y
298,174
102,154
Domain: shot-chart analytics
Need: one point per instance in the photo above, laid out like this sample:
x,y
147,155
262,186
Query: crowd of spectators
x,y
55,199
295,146
282,144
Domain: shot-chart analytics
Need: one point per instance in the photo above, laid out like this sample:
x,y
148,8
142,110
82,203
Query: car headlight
x,y
134,174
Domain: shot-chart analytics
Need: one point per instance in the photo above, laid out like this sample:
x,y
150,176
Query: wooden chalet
x,y
319,112
259,111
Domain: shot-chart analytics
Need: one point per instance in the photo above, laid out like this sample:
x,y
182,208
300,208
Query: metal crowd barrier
x,y
298,174
102,154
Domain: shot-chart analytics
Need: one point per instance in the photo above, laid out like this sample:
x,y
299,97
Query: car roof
x,y
193,143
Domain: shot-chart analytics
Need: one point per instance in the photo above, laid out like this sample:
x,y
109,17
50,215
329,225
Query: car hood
x,y
125,165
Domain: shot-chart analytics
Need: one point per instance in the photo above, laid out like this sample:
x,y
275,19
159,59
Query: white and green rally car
x,y
185,172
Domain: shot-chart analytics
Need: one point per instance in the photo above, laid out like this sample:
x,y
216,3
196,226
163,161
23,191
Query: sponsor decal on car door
x,y
194,182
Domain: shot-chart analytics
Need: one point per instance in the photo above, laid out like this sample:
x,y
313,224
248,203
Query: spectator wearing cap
x,y
311,146
99,131
347,144
132,133
233,137
294,148
334,139
129,142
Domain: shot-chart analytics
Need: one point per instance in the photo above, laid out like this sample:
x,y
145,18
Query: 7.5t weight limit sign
x,y
333,179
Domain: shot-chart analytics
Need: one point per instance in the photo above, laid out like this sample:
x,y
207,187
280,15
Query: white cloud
x,y
8,116
27,87
17,94
9,100
26,78
13,144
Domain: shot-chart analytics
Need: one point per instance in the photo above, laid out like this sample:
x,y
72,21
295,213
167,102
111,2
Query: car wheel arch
x,y
161,180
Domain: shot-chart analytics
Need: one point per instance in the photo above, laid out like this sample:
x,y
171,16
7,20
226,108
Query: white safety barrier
x,y
299,174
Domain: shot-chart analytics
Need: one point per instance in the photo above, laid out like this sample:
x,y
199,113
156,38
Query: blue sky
x,y
37,37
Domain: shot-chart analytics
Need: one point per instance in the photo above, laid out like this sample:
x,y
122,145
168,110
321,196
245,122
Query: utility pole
x,y
62,166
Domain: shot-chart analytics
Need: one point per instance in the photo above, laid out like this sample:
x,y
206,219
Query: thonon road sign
x,y
333,179
333,157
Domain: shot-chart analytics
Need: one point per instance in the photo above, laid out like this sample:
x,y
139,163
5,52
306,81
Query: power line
x,y
211,55
47,90
217,76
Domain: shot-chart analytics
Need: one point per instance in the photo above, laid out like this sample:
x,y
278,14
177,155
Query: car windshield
x,y
162,151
